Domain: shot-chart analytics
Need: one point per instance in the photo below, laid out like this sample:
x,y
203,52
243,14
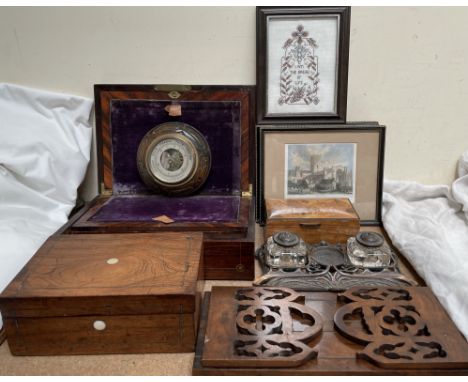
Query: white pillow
x,y
45,141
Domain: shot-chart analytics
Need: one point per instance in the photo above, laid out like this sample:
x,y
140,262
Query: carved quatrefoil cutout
x,y
274,325
390,323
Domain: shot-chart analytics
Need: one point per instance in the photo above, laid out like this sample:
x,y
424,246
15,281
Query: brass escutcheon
x,y
240,268
174,94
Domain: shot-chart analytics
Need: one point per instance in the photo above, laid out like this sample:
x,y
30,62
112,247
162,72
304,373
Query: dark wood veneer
x,y
2,335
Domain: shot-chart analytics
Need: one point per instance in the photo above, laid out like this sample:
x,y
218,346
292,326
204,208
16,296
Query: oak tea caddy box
x,y
313,220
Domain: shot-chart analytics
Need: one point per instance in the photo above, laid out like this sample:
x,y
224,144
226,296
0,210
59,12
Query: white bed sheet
x,y
429,225
45,141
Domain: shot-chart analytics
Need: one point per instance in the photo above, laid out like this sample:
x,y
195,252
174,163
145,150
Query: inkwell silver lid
x,y
286,239
370,239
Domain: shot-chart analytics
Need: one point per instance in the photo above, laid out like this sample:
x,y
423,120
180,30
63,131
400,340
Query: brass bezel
x,y
196,143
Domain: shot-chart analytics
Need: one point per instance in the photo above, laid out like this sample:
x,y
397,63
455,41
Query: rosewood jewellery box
x,y
222,205
108,293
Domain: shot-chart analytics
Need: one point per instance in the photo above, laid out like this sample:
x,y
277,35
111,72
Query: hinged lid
x,y
107,274
300,209
125,113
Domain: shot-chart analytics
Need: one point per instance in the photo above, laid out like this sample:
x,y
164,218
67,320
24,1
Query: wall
x,y
408,66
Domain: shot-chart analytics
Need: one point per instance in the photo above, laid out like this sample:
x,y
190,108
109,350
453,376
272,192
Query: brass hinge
x,y
247,194
173,91
105,191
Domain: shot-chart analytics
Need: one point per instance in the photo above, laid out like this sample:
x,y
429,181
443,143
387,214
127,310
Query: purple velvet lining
x,y
218,121
143,208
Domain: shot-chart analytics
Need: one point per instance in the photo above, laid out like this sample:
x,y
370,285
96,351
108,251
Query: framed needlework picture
x,y
322,161
302,64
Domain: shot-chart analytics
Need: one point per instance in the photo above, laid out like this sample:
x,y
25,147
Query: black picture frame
x,y
349,128
341,89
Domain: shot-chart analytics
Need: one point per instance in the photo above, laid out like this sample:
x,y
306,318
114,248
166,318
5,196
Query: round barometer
x,y
174,158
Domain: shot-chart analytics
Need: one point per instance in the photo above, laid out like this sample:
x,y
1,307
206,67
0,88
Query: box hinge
x,y
173,91
105,191
247,194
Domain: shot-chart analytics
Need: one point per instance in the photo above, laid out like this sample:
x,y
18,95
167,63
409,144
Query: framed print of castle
x,y
320,170
312,161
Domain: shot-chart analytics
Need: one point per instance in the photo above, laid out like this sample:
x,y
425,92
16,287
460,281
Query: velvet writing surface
x,y
218,121
140,208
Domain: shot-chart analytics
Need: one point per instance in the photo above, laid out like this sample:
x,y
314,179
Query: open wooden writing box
x,y
222,208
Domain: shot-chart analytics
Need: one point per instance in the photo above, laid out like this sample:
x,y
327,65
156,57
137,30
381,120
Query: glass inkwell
x,y
287,260
369,250
287,251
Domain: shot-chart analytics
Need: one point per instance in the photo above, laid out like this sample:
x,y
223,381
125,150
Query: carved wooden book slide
x,y
259,327
402,328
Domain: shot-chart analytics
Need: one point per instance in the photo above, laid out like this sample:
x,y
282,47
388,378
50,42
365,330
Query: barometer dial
x,y
174,158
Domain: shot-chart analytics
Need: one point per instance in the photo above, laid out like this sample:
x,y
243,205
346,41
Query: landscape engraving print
x,y
324,170
299,76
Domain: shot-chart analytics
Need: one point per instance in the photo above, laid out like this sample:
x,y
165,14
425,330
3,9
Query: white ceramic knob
x,y
99,325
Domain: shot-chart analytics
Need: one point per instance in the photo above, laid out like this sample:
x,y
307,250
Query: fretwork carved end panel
x,y
401,328
259,327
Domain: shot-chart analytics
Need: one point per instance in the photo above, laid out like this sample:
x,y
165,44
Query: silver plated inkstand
x,y
288,261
